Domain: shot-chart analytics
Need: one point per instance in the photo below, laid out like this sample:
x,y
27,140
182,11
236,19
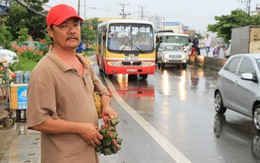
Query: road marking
x,y
162,141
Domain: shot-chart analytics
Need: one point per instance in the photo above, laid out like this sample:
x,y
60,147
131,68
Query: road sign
x,y
171,23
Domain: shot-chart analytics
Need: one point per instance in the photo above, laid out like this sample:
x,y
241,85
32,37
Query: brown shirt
x,y
56,90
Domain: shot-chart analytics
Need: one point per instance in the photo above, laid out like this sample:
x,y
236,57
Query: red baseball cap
x,y
59,13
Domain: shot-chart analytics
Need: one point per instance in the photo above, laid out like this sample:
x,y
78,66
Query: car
x,y
238,87
8,56
171,54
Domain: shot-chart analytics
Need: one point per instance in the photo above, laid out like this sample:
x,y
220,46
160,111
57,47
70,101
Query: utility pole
x,y
79,7
123,11
247,3
142,12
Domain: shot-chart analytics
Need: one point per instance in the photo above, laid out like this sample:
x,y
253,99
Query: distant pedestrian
x,y
193,55
207,43
216,51
195,43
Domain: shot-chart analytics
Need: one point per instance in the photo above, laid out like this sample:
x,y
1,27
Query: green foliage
x,y
24,65
47,39
27,61
226,23
5,37
89,31
255,20
20,17
22,35
30,55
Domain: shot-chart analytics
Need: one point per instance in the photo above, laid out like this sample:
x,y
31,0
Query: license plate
x,y
131,58
131,70
174,56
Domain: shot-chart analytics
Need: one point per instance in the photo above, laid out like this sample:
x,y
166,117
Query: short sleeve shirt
x,y
58,91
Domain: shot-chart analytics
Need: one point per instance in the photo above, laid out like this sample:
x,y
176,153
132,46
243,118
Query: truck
x,y
244,40
168,36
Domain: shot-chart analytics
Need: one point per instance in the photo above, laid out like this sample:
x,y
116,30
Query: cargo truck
x,y
244,40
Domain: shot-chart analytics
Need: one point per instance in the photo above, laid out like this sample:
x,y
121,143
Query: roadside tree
x,y
5,37
23,16
89,31
225,23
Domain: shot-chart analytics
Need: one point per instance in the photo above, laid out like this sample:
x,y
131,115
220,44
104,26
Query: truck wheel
x,y
163,65
158,63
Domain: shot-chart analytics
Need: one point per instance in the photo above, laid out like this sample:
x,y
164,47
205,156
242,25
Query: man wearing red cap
x,y
60,95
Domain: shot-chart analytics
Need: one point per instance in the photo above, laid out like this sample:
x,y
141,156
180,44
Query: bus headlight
x,y
148,63
114,63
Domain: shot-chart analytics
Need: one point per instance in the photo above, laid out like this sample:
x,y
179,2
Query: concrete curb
x,y
212,63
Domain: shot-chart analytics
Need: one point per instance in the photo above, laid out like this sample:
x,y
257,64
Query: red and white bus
x,y
126,47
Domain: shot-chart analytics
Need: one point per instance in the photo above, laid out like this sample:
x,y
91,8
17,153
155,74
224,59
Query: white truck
x,y
244,40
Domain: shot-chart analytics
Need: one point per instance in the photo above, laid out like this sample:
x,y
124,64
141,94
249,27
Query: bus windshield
x,y
182,40
130,37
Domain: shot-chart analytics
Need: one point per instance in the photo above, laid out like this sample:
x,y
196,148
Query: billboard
x,y
185,28
5,7
171,23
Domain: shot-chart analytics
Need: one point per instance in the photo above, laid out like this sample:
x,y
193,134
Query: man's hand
x,y
108,113
90,134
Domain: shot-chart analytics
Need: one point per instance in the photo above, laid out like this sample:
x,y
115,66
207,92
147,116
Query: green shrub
x,y
23,65
27,61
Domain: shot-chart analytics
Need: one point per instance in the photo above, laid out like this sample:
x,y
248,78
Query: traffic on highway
x,y
122,90
170,117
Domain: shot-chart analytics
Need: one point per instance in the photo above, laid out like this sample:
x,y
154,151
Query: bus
x,y
126,47
168,36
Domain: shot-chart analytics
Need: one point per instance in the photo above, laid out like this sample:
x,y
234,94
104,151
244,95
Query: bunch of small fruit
x,y
110,143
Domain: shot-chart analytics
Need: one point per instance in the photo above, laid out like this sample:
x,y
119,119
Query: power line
x,y
142,11
247,3
30,9
123,11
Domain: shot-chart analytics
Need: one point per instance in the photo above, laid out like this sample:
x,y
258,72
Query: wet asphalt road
x,y
170,118
179,105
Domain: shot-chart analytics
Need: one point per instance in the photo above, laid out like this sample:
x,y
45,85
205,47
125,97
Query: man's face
x,y
67,34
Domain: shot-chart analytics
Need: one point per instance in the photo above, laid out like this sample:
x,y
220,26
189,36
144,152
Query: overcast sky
x,y
196,14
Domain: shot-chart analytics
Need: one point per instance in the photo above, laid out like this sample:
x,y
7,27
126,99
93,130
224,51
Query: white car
x,y
8,56
171,54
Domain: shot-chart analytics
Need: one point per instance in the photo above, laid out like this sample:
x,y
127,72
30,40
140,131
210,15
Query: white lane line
x,y
162,141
